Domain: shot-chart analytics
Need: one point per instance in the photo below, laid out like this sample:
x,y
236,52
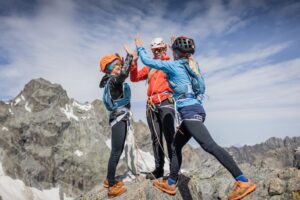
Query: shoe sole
x,y
165,190
113,196
106,186
249,191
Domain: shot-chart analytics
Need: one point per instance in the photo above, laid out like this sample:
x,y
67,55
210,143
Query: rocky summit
x,y
48,140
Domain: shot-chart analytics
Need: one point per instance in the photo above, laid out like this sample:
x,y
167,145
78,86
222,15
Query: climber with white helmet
x,y
160,107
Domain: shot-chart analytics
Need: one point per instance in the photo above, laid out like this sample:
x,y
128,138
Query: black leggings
x,y
118,136
197,130
161,122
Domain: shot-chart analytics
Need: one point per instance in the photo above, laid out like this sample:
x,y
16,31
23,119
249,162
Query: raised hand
x,y
173,38
126,49
138,41
135,56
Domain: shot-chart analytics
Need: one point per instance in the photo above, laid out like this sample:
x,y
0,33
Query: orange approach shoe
x,y
115,191
164,186
105,183
241,189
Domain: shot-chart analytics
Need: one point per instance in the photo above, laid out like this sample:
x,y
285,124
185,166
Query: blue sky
x,y
249,52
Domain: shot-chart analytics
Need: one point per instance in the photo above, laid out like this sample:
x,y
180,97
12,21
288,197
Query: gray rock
x,y
143,189
296,162
52,140
276,197
288,173
276,186
293,184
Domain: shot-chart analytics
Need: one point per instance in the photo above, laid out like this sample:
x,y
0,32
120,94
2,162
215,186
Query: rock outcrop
x,y
50,140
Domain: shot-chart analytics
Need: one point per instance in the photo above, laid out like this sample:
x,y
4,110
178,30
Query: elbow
x,y
133,78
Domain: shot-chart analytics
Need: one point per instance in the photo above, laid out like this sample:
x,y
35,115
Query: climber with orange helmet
x,y
116,98
160,107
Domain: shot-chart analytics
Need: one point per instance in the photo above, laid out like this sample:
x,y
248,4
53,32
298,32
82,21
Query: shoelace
x,y
237,185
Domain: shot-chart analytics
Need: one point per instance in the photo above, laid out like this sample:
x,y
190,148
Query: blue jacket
x,y
177,76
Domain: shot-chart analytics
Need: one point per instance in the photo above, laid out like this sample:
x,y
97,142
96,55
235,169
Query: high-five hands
x,y
126,48
138,41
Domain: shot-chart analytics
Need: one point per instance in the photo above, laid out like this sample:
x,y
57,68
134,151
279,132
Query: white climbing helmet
x,y
157,43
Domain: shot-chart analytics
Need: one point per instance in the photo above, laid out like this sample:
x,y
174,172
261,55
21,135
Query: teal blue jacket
x,y
177,76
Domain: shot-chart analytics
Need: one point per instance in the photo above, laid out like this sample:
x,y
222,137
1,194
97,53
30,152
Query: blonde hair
x,y
193,64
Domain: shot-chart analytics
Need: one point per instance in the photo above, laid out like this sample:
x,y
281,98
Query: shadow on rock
x,y
188,190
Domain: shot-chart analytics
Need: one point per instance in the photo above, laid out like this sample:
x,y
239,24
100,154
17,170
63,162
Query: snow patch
x,y
1,170
68,111
22,97
85,107
4,128
17,101
146,163
78,153
10,111
137,159
128,177
11,189
85,117
27,107
108,144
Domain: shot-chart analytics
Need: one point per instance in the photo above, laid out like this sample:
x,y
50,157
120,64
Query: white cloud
x,y
260,92
254,55
63,41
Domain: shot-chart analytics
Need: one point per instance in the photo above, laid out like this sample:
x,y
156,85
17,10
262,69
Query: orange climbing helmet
x,y
105,60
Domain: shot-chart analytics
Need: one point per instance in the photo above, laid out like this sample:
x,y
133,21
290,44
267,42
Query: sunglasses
x,y
158,50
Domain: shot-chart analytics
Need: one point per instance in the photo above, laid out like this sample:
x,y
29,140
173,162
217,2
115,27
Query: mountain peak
x,y
41,94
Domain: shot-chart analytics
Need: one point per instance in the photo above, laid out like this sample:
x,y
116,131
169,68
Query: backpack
x,y
197,80
111,104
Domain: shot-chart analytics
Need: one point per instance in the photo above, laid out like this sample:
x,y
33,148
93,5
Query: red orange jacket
x,y
158,86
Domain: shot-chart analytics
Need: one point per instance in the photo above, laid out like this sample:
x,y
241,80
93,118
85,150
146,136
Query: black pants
x,y
118,136
160,120
197,130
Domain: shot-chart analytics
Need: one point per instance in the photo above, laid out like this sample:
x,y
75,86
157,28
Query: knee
x,y
176,148
116,152
209,147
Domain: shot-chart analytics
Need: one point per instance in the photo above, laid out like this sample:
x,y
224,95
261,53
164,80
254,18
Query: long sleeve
x,y
165,66
136,75
116,82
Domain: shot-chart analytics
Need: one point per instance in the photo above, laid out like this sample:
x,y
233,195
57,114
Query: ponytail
x,y
193,64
